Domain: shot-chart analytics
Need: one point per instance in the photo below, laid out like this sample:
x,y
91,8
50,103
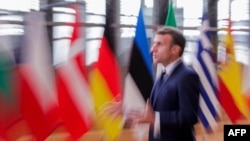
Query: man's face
x,y
162,49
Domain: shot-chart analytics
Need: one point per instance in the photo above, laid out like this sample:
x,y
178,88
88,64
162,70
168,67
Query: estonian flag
x,y
139,80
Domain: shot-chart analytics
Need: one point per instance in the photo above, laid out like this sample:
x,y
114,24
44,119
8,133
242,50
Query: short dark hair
x,y
176,34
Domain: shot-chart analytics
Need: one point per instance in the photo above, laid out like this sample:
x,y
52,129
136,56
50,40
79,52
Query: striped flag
x,y
230,88
170,19
73,91
205,66
9,105
139,80
105,84
39,104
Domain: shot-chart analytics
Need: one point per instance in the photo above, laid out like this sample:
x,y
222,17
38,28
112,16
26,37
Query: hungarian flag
x,y
9,106
39,104
230,92
170,21
105,84
72,87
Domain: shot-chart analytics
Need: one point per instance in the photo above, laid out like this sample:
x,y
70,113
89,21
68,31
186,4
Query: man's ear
x,y
176,49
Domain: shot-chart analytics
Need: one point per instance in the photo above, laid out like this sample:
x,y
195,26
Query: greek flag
x,y
205,66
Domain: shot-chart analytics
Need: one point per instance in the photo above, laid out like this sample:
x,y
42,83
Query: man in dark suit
x,y
172,110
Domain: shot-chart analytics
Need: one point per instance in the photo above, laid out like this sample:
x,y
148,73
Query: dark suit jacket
x,y
177,101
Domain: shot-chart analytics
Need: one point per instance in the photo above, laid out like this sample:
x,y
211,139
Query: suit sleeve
x,y
188,95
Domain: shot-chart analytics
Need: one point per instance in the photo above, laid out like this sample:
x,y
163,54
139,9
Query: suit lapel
x,y
157,90
159,87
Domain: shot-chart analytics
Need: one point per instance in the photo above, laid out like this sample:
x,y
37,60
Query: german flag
x,y
105,84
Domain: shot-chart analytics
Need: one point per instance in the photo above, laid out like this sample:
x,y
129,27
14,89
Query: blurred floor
x,y
19,132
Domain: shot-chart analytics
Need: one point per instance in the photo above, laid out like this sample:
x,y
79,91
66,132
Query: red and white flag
x,y
39,104
73,91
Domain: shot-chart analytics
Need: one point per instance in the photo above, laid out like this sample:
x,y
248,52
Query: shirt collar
x,y
170,67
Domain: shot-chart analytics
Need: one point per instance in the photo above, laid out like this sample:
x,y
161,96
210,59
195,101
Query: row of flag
x,y
223,83
45,96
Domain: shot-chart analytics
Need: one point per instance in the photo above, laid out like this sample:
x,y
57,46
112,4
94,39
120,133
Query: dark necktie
x,y
164,76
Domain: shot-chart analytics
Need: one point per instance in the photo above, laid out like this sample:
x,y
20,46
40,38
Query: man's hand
x,y
149,115
113,108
